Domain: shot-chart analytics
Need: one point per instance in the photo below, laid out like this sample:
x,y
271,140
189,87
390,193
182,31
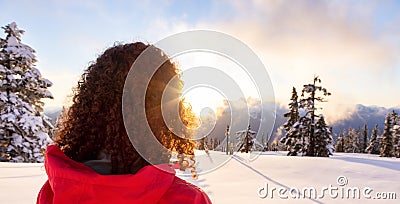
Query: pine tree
x,y
348,141
292,138
352,144
23,126
352,141
245,140
340,142
300,137
227,131
354,137
396,134
374,144
387,138
358,140
364,141
310,96
248,140
323,138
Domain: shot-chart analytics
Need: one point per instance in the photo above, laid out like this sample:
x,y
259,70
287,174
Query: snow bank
x,y
239,180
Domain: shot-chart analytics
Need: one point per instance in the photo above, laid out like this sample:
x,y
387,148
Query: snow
x,y
14,28
309,88
2,69
239,180
12,41
20,182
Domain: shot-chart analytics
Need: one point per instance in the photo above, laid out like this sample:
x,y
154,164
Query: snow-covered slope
x,y
20,182
239,181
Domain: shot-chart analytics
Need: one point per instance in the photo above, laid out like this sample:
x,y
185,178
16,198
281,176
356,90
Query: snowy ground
x,y
239,181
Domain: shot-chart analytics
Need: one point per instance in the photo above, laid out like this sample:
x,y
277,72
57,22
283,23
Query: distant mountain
x,y
371,115
53,114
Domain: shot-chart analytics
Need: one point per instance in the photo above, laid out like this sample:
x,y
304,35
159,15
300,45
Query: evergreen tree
x,y
23,126
292,138
353,141
311,94
396,134
300,131
348,141
357,140
295,142
264,143
340,142
248,140
245,140
374,144
354,136
364,141
387,138
227,131
323,138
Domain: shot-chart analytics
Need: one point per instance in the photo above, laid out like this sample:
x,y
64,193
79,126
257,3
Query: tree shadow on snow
x,y
393,165
241,160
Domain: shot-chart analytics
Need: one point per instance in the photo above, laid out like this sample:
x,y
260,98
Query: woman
x,y
93,160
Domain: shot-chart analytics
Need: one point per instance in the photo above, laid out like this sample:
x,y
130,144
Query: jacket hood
x,y
74,182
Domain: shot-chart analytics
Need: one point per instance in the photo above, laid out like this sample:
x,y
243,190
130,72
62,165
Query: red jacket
x,y
73,182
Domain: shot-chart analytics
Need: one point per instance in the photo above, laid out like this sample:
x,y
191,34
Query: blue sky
x,y
353,45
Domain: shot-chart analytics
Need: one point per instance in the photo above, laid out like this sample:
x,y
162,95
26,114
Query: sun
x,y
203,98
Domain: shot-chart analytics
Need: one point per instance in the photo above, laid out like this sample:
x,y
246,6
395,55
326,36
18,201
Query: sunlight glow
x,y
203,97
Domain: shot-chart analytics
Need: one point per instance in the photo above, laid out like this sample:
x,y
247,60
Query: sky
x,y
354,45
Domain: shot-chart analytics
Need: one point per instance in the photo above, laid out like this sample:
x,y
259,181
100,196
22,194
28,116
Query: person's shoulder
x,y
184,186
182,191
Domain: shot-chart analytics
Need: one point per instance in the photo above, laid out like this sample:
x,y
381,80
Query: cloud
x,y
353,45
356,55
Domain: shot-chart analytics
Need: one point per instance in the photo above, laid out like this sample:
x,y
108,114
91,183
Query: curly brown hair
x,y
94,122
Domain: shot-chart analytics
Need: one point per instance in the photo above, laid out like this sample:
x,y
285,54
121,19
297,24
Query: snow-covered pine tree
x,y
348,141
23,126
311,94
374,143
293,138
340,142
245,140
354,137
323,138
396,134
358,140
387,138
364,141
248,140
